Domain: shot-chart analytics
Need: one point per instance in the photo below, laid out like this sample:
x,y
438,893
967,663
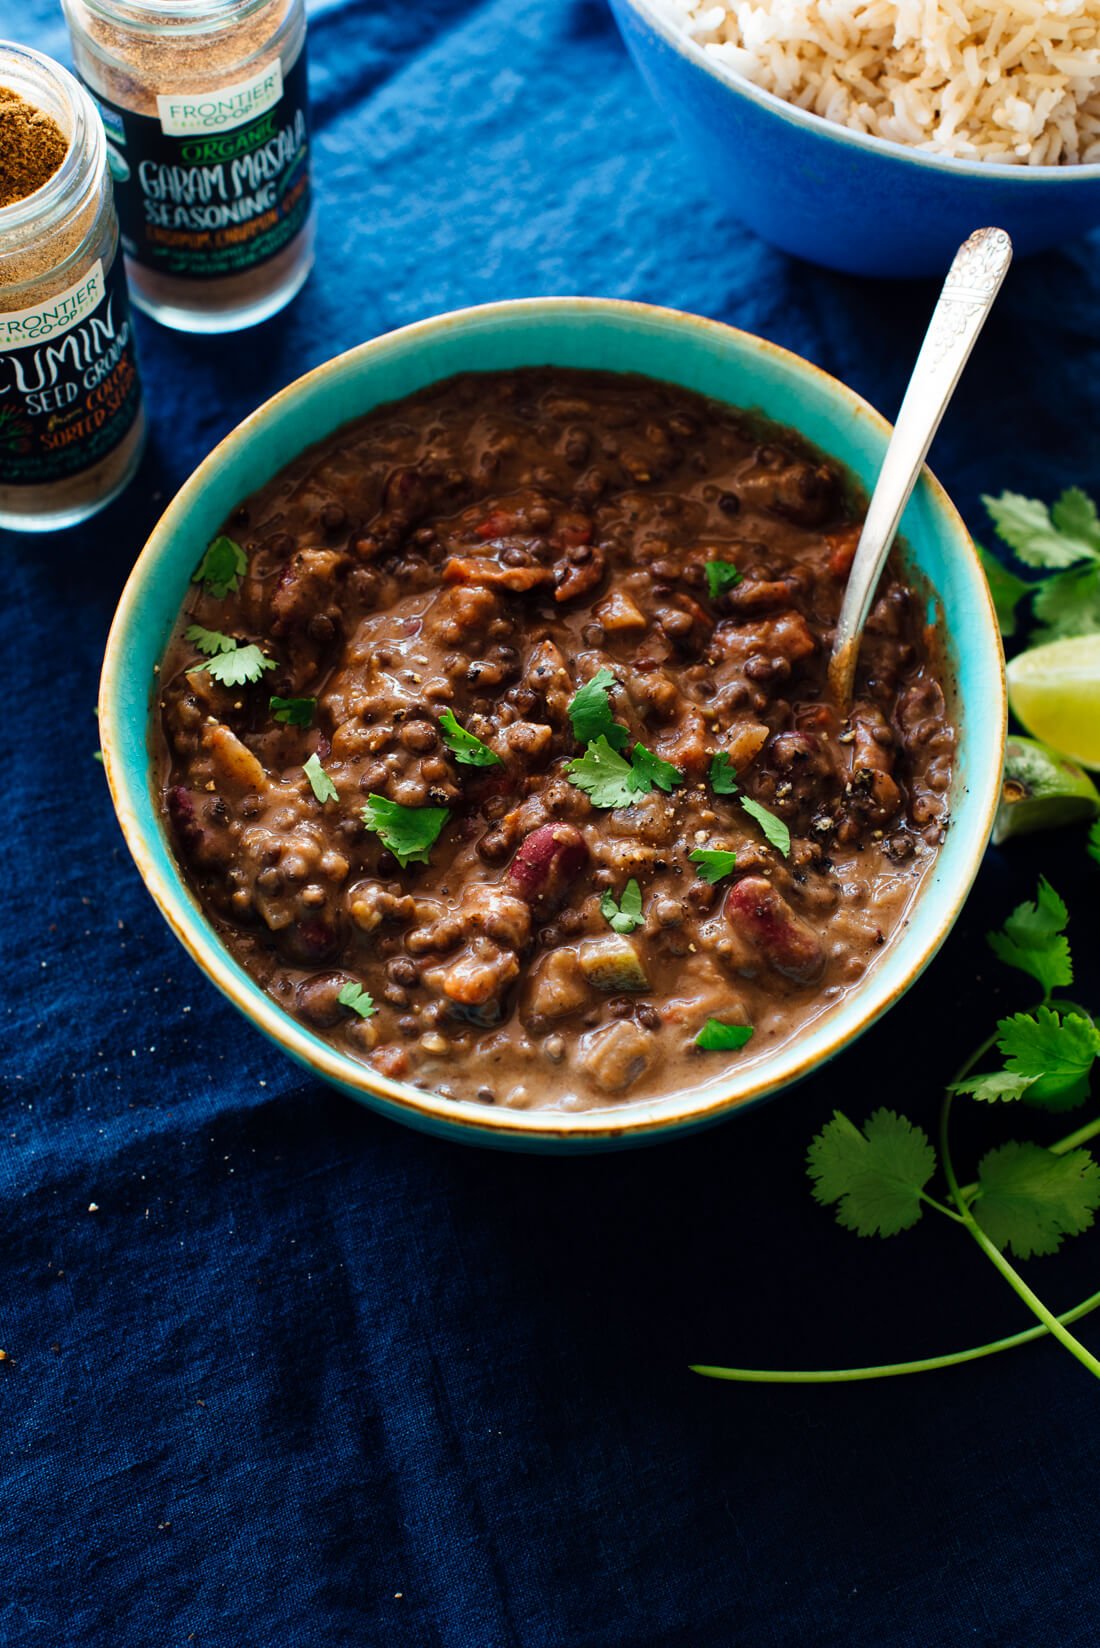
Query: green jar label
x,y
69,388
218,183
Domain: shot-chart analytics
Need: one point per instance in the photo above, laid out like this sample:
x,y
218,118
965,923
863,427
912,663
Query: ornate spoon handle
x,y
972,283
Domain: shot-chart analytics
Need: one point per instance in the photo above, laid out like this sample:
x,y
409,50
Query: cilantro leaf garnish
x,y
624,916
610,780
240,667
319,781
293,712
1033,939
604,775
1026,1199
209,641
774,828
1006,589
221,568
994,1085
1056,1053
1067,603
354,996
716,1037
713,863
467,750
409,833
649,769
723,775
1029,1198
875,1176
1092,846
1065,541
1042,537
591,714
230,663
721,576
1048,1060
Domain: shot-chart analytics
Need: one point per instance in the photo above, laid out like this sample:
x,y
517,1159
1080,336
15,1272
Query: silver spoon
x,y
973,281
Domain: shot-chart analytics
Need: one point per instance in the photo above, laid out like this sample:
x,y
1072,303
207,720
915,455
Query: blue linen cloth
x,y
305,1377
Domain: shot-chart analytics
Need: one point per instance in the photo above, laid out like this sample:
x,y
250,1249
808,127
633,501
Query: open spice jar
x,y
72,423
206,108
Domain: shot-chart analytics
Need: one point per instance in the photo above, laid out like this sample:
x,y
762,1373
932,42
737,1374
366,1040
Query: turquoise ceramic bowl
x,y
715,360
835,196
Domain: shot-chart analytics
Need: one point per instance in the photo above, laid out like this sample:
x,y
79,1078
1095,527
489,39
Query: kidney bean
x,y
548,861
312,940
316,999
762,915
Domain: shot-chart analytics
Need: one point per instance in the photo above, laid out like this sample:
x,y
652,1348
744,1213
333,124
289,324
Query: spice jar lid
x,y
181,19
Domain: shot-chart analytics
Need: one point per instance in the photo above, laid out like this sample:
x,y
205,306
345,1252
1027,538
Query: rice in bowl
x,y
1011,81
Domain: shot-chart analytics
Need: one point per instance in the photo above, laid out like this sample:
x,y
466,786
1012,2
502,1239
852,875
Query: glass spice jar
x,y
72,424
206,108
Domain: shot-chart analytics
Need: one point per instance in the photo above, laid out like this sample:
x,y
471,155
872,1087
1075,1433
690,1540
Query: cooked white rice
x,y
1005,80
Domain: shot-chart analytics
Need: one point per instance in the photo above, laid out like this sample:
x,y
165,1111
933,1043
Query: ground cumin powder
x,y
32,147
72,424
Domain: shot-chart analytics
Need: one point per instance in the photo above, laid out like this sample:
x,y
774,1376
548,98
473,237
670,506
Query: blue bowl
x,y
839,197
701,355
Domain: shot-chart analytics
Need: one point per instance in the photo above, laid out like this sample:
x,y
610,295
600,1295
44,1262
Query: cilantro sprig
x,y
1033,940
1026,1198
610,780
713,864
626,914
467,750
591,713
876,1175
222,567
238,666
776,830
722,775
292,712
1063,541
1029,1198
723,781
228,662
716,1037
721,576
409,833
606,775
210,641
603,774
319,781
353,996
649,769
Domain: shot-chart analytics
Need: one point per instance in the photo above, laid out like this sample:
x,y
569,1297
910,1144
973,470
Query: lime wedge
x,y
1041,790
1055,691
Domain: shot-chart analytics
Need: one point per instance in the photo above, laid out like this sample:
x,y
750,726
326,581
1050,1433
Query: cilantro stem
x,y
1072,1140
976,1057
1062,1004
940,1207
994,1254
891,1370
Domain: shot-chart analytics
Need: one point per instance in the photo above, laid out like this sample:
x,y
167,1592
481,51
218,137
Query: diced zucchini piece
x,y
613,963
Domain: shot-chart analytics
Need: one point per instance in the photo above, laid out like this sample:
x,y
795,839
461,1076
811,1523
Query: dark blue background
x,y
308,1378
